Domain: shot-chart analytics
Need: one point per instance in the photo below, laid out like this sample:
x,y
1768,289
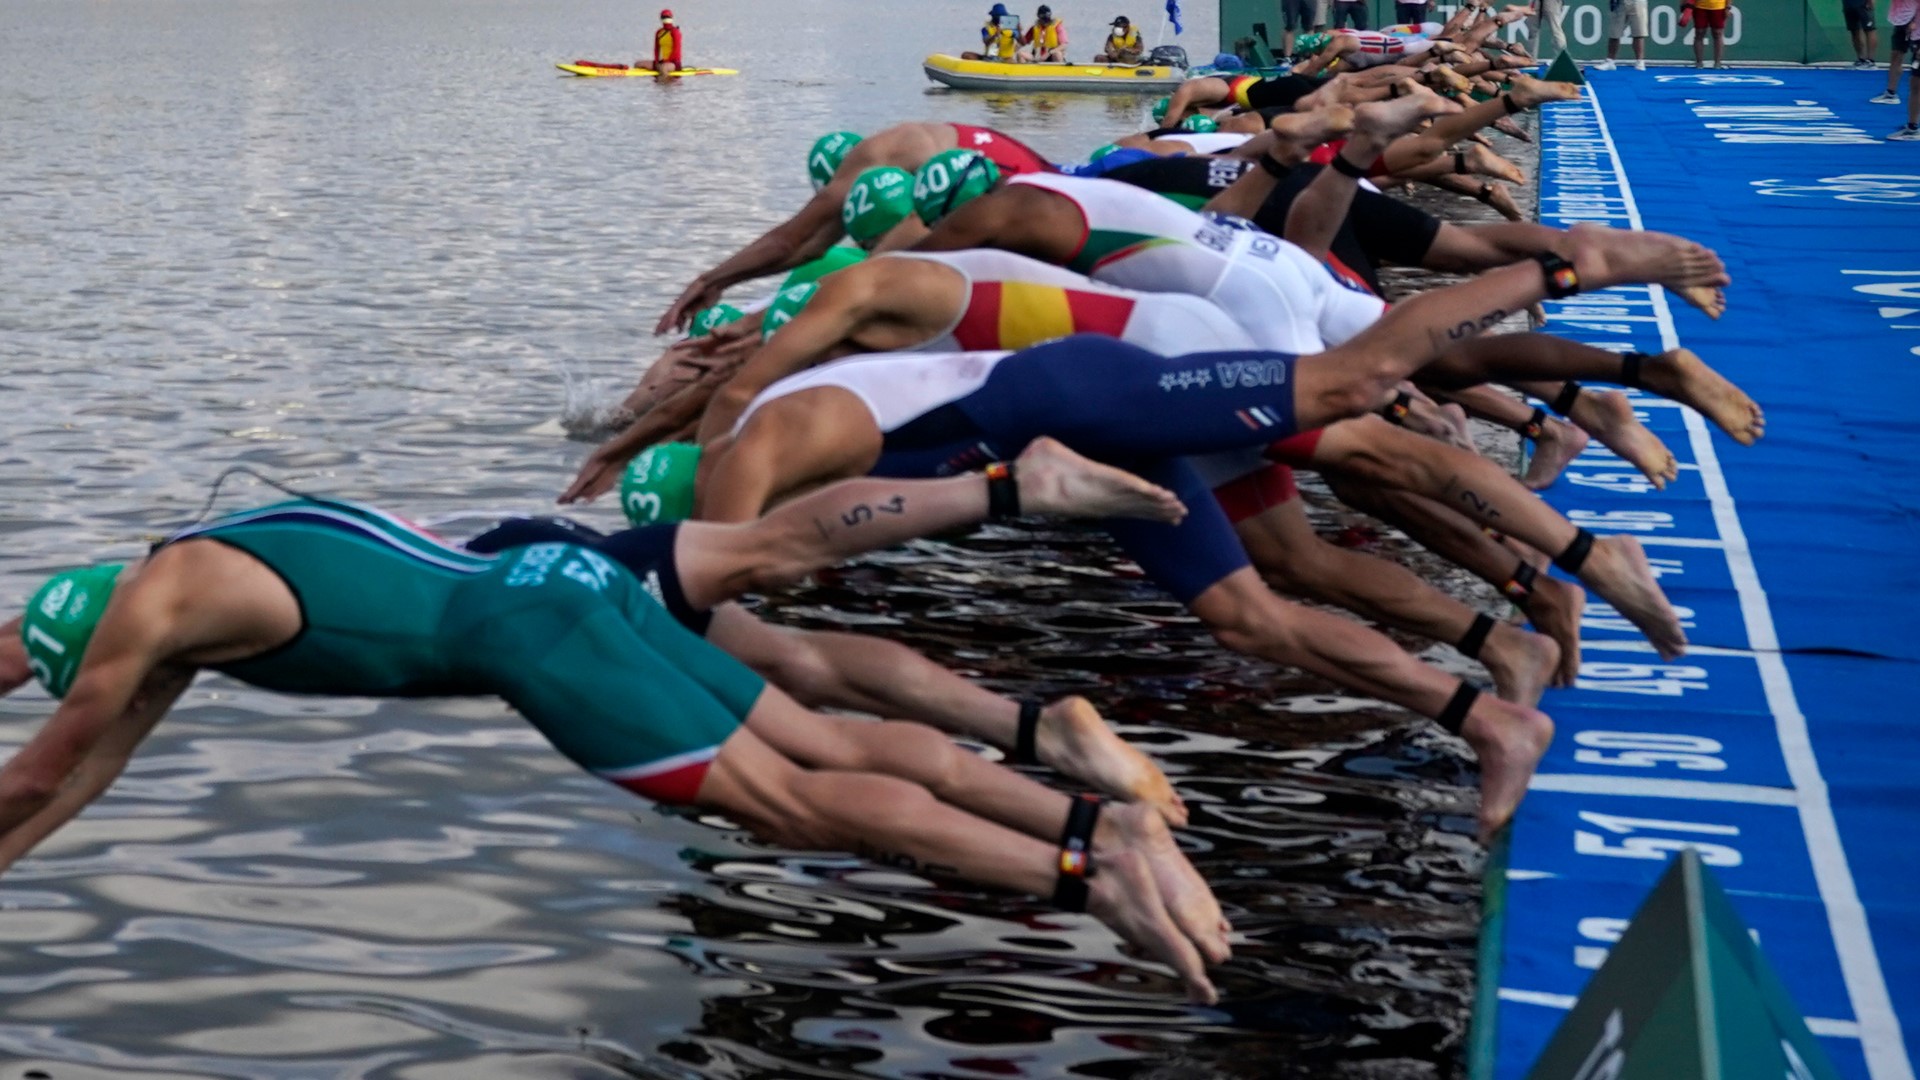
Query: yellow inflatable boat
x,y
994,75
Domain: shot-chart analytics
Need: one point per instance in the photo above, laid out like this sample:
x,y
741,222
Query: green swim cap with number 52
x,y
658,485
949,180
879,199
60,622
827,153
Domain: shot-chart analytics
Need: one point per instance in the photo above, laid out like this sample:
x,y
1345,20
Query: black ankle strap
x,y
1630,368
1572,559
1076,854
1512,106
1454,717
1460,163
1562,280
1519,588
1563,402
1024,750
1003,491
1476,636
1536,424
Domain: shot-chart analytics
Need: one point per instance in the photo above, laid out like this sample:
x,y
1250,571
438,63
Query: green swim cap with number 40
x,y
60,622
950,179
879,199
658,485
827,153
786,304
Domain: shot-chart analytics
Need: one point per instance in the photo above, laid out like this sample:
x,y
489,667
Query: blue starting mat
x,y
1786,745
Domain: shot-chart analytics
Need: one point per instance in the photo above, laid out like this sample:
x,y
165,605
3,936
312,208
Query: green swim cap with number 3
x,y
707,320
878,200
823,160
786,304
951,179
60,622
658,485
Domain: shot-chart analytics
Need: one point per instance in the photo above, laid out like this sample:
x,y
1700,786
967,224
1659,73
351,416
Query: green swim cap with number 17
x,y
823,160
658,485
60,622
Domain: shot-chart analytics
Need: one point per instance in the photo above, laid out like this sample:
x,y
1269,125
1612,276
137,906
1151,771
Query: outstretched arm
x,y
806,235
810,337
14,671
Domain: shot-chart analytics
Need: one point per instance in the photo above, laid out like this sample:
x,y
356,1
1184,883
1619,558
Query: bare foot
x,y
1442,77
1123,896
1605,257
1383,121
1555,611
1531,93
1487,163
1509,741
1608,416
1559,443
1183,892
1460,430
1055,480
1679,375
1073,740
1711,301
1523,664
1511,128
1500,197
1617,570
1305,130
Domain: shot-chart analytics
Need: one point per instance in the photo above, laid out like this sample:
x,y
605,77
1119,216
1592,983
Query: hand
x,y
696,296
597,476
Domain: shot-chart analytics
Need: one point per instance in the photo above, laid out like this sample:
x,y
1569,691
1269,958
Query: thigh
x,y
1189,558
1636,16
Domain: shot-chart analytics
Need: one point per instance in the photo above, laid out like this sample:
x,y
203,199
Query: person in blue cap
x,y
999,38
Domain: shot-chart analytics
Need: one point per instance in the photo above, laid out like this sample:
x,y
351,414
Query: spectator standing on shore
x,y
1411,12
1900,15
1549,15
1859,16
1632,15
1351,13
1710,16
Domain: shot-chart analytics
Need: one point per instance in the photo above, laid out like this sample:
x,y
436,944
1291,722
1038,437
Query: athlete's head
x,y
1160,109
949,180
786,304
1199,124
838,257
827,153
658,485
1307,44
707,320
60,621
879,199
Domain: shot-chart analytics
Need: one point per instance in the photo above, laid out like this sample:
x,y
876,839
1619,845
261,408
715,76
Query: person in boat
x,y
1123,43
1046,40
999,38
666,46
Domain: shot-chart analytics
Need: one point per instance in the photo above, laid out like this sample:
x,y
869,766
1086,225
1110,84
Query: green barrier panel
x,y
1685,994
1768,30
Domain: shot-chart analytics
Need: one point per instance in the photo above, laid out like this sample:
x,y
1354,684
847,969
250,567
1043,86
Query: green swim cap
x,y
707,320
785,306
826,155
1160,109
1102,152
878,200
949,180
60,621
658,485
1199,124
1308,44
838,257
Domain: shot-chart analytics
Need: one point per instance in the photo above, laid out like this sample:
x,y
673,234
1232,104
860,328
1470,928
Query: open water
x,y
380,250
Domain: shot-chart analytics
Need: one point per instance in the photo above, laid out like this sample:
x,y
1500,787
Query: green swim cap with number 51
x,y
949,180
658,485
60,622
879,199
823,160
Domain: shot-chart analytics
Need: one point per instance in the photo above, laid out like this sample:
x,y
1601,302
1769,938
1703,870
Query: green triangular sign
x,y
1564,69
1685,995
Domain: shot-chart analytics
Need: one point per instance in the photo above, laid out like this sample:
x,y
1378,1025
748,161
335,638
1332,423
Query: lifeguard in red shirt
x,y
666,46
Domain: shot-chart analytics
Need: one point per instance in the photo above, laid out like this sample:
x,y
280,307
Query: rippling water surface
x,y
380,250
